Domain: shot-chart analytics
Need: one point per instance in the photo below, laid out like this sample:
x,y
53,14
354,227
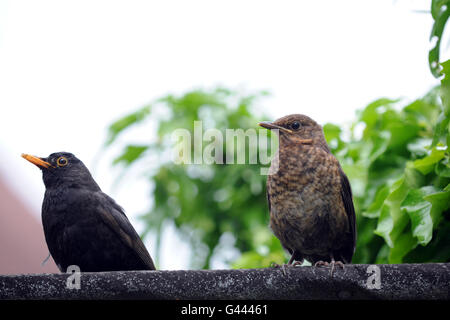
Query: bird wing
x,y
346,193
114,216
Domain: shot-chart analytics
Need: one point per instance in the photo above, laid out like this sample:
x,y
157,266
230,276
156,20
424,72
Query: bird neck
x,y
288,142
66,184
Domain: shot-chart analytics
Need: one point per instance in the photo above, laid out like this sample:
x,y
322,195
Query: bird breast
x,y
304,191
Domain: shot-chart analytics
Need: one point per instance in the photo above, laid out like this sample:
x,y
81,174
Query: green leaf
x,y
331,131
445,87
370,114
424,110
440,203
131,154
392,219
443,168
404,244
125,122
402,133
438,250
374,209
441,129
379,144
390,213
440,10
418,147
419,211
427,164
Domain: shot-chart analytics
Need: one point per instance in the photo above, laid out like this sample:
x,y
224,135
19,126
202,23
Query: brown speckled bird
x,y
310,199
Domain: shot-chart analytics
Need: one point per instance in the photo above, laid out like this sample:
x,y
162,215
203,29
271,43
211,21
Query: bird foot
x,y
286,265
321,264
336,263
339,264
333,263
297,263
275,265
282,267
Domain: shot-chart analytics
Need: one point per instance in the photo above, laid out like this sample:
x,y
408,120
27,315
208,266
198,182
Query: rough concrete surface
x,y
402,281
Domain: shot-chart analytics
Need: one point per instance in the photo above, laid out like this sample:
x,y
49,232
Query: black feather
x,y
85,227
346,193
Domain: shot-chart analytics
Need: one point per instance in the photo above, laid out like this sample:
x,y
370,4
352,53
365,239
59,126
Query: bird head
x,y
63,168
297,129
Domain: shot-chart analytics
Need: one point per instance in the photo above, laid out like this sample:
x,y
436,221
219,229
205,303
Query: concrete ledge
x,y
404,281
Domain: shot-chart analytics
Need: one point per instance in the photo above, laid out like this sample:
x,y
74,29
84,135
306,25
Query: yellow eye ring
x,y
62,161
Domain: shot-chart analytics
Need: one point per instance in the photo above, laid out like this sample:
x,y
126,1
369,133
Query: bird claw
x,y
333,263
282,267
297,263
274,265
321,264
286,265
336,263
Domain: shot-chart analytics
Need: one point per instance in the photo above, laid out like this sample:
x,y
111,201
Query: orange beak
x,y
36,161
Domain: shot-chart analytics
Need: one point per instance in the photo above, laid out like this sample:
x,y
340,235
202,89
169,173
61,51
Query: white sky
x,y
70,68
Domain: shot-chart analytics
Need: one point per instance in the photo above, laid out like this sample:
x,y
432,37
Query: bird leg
x,y
335,263
282,266
291,260
291,263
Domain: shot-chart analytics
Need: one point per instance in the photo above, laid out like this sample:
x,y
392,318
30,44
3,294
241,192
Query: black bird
x,y
310,198
84,226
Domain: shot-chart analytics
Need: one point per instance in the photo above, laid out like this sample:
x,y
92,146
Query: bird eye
x,y
62,161
295,125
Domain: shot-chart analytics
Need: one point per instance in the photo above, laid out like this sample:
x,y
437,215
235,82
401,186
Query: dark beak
x,y
271,125
36,161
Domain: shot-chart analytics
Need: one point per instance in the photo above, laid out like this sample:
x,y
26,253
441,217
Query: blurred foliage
x,y
395,156
394,153
398,163
204,201
440,11
397,160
